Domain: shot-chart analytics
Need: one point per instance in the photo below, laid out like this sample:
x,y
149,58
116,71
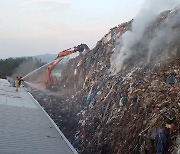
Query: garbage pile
x,y
135,110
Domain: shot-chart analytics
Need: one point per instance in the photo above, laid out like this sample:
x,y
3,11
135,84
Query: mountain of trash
x,y
106,104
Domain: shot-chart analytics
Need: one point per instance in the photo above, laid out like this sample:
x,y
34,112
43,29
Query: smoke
x,y
28,67
148,13
35,86
164,36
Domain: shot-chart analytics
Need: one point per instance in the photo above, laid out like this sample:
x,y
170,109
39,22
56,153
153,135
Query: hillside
x,y
123,96
45,58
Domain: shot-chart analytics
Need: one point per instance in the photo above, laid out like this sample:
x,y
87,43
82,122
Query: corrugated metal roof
x,y
25,128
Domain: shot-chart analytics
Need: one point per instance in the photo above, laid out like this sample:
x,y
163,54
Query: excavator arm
x,y
49,78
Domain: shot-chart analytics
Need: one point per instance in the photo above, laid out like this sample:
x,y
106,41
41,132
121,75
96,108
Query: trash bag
x,y
123,101
171,79
161,141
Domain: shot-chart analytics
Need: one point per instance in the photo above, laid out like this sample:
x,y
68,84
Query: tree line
x,y
13,66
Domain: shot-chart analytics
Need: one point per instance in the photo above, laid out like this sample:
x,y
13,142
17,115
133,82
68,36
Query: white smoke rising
x,y
164,35
147,14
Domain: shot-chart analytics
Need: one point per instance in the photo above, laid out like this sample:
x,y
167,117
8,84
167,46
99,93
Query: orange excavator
x,y
49,79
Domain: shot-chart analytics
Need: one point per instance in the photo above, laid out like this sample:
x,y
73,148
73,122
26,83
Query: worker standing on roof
x,y
17,83
20,80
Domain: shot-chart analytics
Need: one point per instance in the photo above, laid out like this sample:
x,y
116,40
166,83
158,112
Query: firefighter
x,y
20,80
17,83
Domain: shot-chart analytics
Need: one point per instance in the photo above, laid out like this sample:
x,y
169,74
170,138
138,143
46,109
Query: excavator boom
x,y
49,78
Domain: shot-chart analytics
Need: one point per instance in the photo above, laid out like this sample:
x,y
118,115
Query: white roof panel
x,y
25,126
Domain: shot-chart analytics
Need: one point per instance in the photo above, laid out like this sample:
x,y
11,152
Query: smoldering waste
x,y
131,106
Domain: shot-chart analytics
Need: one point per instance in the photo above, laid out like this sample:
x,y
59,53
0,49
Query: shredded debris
x,y
133,110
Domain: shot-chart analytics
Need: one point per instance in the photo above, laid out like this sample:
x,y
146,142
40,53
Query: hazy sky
x,y
32,27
